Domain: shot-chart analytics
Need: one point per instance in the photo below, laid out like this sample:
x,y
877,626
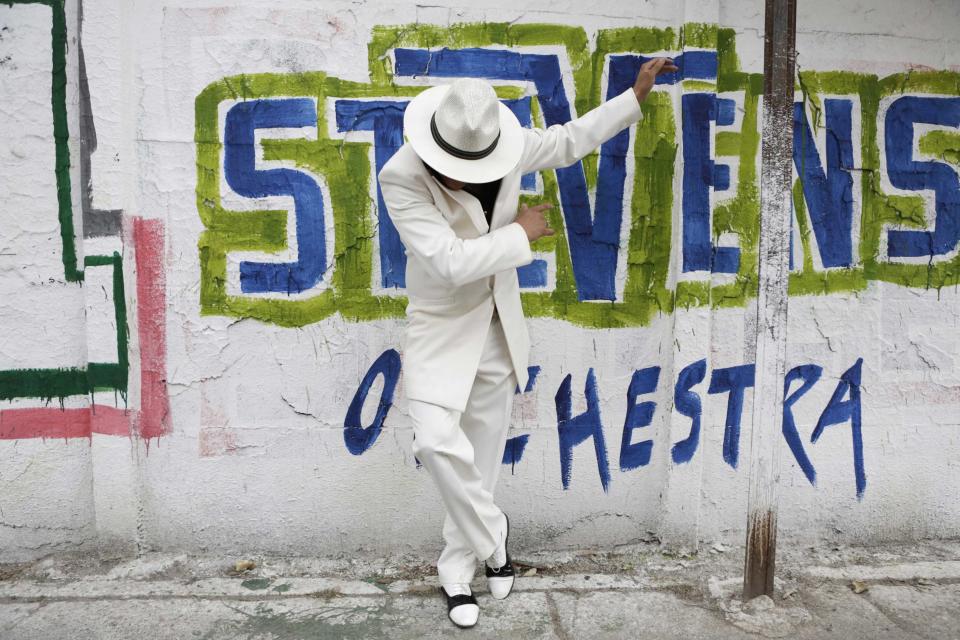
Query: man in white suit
x,y
452,192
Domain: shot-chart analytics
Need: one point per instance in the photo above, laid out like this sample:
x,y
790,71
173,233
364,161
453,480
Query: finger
x,y
652,66
548,231
543,207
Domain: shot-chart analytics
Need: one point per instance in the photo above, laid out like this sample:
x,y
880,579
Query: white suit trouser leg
x,y
463,454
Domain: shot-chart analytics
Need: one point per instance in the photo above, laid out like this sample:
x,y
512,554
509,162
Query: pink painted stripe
x,y
148,239
153,419
42,422
47,422
111,421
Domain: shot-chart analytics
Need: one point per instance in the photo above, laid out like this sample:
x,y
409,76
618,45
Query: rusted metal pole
x,y
779,61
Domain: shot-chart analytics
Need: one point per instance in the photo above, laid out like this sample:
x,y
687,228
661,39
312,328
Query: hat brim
x,y
501,161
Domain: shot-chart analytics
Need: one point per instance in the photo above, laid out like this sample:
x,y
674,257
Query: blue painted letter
x,y
908,174
829,194
633,455
809,373
735,380
574,430
688,403
357,438
839,411
700,174
243,120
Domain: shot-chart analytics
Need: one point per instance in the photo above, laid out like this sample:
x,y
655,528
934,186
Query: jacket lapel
x,y
507,190
471,205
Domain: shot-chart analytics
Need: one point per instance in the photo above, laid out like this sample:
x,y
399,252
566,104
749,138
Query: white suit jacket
x,y
458,267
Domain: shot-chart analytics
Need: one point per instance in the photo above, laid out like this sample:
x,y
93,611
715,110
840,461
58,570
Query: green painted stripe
x,y
107,375
61,133
43,383
60,383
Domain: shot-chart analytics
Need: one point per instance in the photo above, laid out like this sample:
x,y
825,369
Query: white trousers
x,y
463,454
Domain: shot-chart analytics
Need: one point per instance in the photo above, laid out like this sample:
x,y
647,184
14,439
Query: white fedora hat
x,y
463,131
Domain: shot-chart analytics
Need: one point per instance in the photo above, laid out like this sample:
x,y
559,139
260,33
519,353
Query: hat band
x,y
456,151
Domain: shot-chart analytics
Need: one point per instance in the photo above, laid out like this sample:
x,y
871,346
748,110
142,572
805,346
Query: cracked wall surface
x,y
201,358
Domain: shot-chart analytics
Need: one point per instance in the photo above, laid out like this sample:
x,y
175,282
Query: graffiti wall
x,y
204,296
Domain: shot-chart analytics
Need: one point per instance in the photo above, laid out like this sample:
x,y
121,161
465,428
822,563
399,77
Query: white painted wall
x,y
255,460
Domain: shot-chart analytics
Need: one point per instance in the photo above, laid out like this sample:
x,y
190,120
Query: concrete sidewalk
x,y
881,592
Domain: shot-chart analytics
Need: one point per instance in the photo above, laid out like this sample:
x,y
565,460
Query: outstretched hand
x,y
649,71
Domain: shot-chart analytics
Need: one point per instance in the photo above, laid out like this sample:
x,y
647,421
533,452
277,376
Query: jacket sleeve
x,y
562,145
427,235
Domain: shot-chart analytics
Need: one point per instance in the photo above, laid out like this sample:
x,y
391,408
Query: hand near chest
x,y
534,221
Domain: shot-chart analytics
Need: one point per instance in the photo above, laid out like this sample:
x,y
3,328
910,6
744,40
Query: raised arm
x,y
427,235
562,145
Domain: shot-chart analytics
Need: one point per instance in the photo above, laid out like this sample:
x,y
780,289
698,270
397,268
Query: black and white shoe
x,y
500,579
461,605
